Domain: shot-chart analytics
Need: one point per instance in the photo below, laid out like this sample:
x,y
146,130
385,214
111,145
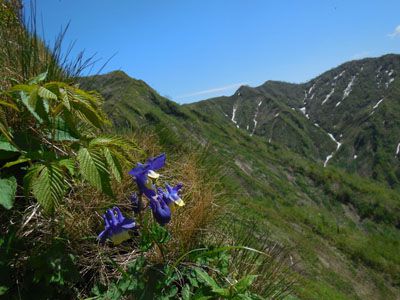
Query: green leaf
x,y
8,188
6,146
204,277
48,186
41,77
16,162
3,290
69,164
93,169
222,292
113,164
46,94
186,292
33,97
244,283
25,101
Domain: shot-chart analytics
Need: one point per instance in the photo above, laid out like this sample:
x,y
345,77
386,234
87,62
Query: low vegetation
x,y
63,165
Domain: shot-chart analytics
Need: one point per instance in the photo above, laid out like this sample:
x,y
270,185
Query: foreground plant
x,y
158,200
51,132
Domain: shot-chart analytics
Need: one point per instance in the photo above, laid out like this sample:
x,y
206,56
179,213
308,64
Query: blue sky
x,y
192,50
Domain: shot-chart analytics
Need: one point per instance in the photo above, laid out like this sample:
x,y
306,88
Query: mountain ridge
x,y
325,215
356,96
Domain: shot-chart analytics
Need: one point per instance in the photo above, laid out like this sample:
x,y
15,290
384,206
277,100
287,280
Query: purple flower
x,y
142,171
137,204
160,209
116,226
171,195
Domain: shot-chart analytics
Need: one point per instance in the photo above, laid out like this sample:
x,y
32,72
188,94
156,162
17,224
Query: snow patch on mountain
x,y
328,96
255,117
339,75
234,114
389,82
311,89
377,104
348,89
338,144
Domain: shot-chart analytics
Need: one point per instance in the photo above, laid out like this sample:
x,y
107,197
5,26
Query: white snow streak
x,y
303,110
389,82
255,118
333,139
339,75
337,148
311,89
328,96
398,149
234,114
391,72
377,104
347,91
316,125
327,159
355,156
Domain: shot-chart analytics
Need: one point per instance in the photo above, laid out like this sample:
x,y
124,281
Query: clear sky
x,y
191,50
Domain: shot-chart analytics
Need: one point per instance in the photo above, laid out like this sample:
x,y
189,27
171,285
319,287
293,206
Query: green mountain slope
x,y
347,116
343,230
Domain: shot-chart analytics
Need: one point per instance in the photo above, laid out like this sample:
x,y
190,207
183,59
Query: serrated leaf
x,y
25,100
46,94
41,77
113,164
88,114
48,186
8,188
65,99
69,164
93,169
33,97
28,178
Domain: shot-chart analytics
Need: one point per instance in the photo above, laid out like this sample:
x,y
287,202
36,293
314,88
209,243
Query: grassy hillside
x,y
347,116
342,229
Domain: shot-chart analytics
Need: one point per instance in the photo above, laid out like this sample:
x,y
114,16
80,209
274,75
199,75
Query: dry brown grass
x,y
78,219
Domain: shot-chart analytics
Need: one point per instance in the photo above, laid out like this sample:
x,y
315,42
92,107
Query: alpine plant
x,y
159,200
